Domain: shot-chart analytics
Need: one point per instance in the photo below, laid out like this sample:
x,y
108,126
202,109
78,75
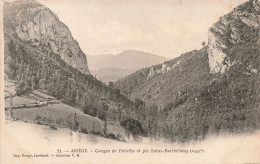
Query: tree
x,y
83,103
120,106
11,67
102,110
77,97
152,116
21,88
33,81
117,91
138,102
69,97
21,71
111,84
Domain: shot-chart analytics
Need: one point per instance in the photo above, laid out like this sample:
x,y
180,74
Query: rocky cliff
x,y
34,24
237,26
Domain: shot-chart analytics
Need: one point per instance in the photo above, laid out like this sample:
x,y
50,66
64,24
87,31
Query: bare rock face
x,y
163,68
230,29
35,24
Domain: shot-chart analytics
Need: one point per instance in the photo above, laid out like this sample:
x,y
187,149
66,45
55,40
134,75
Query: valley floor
x,y
29,139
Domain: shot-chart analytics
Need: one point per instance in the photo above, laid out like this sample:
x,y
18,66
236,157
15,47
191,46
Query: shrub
x,y
83,130
97,133
53,127
37,119
112,136
22,88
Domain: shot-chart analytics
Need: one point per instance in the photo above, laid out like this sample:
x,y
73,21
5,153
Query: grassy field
x,y
59,113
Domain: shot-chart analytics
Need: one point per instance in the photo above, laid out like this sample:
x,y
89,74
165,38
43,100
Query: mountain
x,y
113,67
40,53
213,90
231,30
35,24
160,83
111,74
130,59
241,24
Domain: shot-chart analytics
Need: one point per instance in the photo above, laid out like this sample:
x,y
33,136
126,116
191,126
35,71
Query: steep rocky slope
x,y
36,25
230,29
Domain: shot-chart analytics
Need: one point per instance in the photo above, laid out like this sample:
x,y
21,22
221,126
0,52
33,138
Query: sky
x,y
166,27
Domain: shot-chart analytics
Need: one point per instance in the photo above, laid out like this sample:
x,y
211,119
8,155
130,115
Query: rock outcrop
x,y
162,68
229,30
35,24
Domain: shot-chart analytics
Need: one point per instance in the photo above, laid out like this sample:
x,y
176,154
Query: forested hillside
x,y
211,91
35,69
165,82
41,53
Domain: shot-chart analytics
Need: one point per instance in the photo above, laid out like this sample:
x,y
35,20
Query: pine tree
x,y
77,97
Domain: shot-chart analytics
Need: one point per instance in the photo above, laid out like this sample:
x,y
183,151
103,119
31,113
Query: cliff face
x,y
234,27
36,25
165,67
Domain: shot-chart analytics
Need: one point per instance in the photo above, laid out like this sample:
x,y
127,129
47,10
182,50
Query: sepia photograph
x,y
129,81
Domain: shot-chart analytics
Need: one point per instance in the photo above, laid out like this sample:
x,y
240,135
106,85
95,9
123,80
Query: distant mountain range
x,y
113,67
111,74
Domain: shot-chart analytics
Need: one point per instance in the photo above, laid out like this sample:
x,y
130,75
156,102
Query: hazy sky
x,y
163,27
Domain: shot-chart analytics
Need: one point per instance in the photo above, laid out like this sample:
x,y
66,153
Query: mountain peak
x,y
129,59
137,53
35,24
132,51
250,6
